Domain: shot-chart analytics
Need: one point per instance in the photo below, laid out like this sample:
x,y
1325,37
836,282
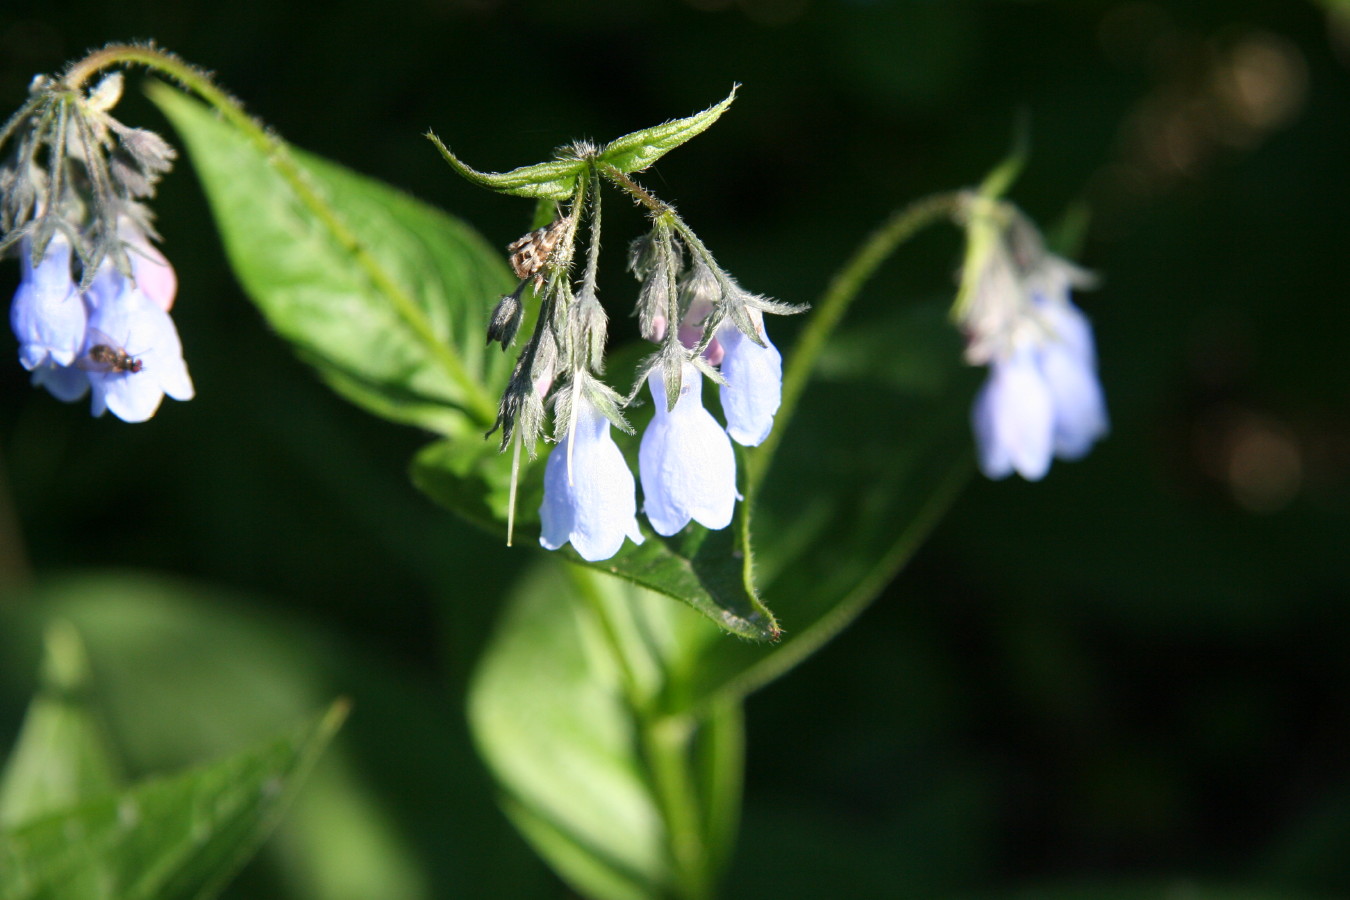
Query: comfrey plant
x,y
1042,398
592,676
92,310
704,324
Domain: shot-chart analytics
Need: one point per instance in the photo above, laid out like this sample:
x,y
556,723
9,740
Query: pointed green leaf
x,y
709,570
635,152
177,837
564,706
61,756
385,296
839,514
552,180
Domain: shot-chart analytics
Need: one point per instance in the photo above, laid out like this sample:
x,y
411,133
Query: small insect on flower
x,y
531,253
109,356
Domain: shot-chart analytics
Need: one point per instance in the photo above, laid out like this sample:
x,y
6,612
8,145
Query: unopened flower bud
x,y
658,267
506,320
591,328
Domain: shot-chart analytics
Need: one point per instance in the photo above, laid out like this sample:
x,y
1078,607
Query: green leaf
x,y
468,476
552,180
706,569
841,511
837,517
385,296
568,707
635,152
557,178
62,756
182,836
187,673
709,570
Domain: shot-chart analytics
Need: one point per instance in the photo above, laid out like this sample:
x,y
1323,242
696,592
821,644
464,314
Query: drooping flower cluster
x,y
686,462
1042,398
91,313
706,326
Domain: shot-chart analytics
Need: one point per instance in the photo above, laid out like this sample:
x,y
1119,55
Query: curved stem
x,y
902,225
663,210
478,402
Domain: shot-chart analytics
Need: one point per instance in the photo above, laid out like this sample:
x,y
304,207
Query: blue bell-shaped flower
x,y
686,462
589,494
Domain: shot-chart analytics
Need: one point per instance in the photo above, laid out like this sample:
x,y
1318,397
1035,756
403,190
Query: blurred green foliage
x,y
1133,673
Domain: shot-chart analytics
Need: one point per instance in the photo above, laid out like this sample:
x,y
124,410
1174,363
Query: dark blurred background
x,y
1138,669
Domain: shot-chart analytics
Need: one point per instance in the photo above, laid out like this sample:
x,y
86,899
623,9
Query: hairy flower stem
x,y
593,247
662,210
477,402
902,225
639,194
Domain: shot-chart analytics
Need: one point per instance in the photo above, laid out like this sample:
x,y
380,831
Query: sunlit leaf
x,y
639,150
385,296
553,180
565,706
187,673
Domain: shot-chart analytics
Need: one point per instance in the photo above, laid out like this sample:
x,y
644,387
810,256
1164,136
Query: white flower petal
x,y
47,315
1071,329
65,383
686,462
123,314
594,504
1080,408
1013,419
754,388
130,396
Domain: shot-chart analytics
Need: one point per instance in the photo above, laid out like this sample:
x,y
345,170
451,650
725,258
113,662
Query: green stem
x,y
477,400
662,210
772,666
592,275
639,194
903,224
666,744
